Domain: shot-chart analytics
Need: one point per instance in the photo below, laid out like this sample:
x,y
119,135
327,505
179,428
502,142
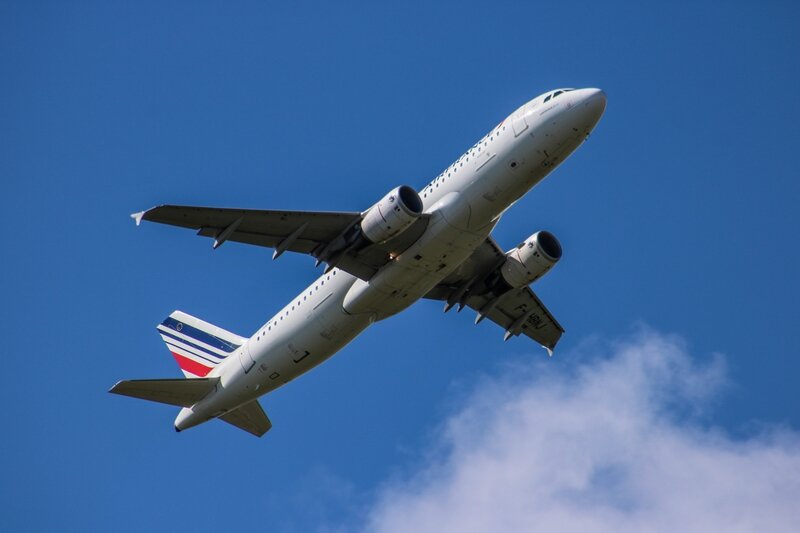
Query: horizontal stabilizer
x,y
249,417
180,392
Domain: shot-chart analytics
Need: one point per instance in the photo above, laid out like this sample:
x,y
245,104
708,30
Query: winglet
x,y
137,217
549,351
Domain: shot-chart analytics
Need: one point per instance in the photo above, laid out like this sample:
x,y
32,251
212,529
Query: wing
x,y
324,235
518,311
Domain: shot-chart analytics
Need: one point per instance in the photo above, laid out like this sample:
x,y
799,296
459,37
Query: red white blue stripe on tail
x,y
197,345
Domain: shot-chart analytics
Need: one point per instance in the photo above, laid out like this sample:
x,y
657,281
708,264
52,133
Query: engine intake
x,y
392,215
531,260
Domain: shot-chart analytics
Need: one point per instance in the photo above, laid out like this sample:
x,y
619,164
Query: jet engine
x,y
392,215
531,260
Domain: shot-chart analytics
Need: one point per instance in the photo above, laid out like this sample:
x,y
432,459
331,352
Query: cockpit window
x,y
557,93
549,96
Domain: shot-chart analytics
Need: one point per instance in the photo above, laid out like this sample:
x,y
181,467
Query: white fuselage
x,y
464,202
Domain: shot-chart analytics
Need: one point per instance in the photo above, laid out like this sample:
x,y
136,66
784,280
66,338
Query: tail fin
x,y
197,345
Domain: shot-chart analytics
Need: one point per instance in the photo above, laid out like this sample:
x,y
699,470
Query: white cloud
x,y
612,445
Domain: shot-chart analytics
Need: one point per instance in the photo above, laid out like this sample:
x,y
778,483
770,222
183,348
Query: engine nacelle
x,y
392,215
531,260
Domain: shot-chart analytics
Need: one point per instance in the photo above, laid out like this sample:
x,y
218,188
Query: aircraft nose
x,y
587,107
593,103
596,99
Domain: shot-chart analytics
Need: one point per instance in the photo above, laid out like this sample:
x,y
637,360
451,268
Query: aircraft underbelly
x,y
415,272
310,337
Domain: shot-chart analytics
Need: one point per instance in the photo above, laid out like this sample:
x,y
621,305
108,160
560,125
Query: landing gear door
x,y
246,358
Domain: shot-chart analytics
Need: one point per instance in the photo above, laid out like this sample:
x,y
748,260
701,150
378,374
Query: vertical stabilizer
x,y
196,345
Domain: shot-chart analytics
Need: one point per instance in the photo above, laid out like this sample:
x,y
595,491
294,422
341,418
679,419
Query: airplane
x,y
434,244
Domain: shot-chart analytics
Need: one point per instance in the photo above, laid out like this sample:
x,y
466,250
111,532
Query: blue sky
x,y
678,220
